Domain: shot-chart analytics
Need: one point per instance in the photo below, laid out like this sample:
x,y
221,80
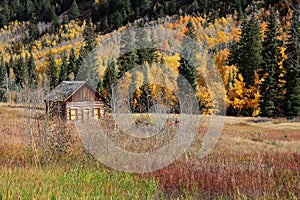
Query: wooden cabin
x,y
75,101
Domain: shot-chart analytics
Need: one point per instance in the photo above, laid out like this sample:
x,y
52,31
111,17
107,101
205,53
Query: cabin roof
x,y
65,90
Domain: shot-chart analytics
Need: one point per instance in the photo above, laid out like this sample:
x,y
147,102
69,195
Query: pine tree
x,y
118,19
47,11
55,23
145,7
292,65
115,5
149,53
32,73
19,71
89,36
3,75
72,69
63,73
5,14
269,97
234,56
186,69
237,5
104,25
270,89
110,79
33,31
74,11
52,72
172,7
88,70
128,59
103,8
249,51
126,5
295,98
19,11
30,10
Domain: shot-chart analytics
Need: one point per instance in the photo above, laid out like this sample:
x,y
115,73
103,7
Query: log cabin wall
x,y
80,111
84,104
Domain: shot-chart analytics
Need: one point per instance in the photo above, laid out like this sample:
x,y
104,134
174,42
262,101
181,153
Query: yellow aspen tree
x,y
239,98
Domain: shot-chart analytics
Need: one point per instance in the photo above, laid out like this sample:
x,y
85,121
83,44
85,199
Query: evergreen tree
x,y
63,73
172,7
126,5
10,65
32,73
292,64
72,68
114,5
110,79
65,21
186,69
66,4
145,7
30,10
88,70
128,60
295,98
3,75
5,14
52,72
248,55
149,53
104,25
234,55
20,10
270,89
19,71
33,31
74,11
118,19
103,8
89,37
55,24
239,9
46,11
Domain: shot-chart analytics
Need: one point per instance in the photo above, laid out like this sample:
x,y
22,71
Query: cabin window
x,y
96,113
73,114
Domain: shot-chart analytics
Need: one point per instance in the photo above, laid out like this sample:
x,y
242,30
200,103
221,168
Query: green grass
x,y
73,182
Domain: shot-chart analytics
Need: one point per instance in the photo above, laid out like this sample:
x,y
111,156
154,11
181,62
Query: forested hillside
x,y
255,46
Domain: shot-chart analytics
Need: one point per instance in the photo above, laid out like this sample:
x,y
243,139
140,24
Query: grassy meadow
x,y
254,159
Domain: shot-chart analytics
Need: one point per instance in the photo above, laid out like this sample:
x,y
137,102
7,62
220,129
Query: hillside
x,y
44,42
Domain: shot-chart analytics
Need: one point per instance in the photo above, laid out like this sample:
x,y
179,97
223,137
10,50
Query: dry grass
x,y
254,158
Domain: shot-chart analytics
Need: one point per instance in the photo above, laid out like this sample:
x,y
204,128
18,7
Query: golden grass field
x,y
255,158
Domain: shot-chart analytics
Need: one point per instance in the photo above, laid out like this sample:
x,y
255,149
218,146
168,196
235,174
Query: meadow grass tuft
x,y
73,182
